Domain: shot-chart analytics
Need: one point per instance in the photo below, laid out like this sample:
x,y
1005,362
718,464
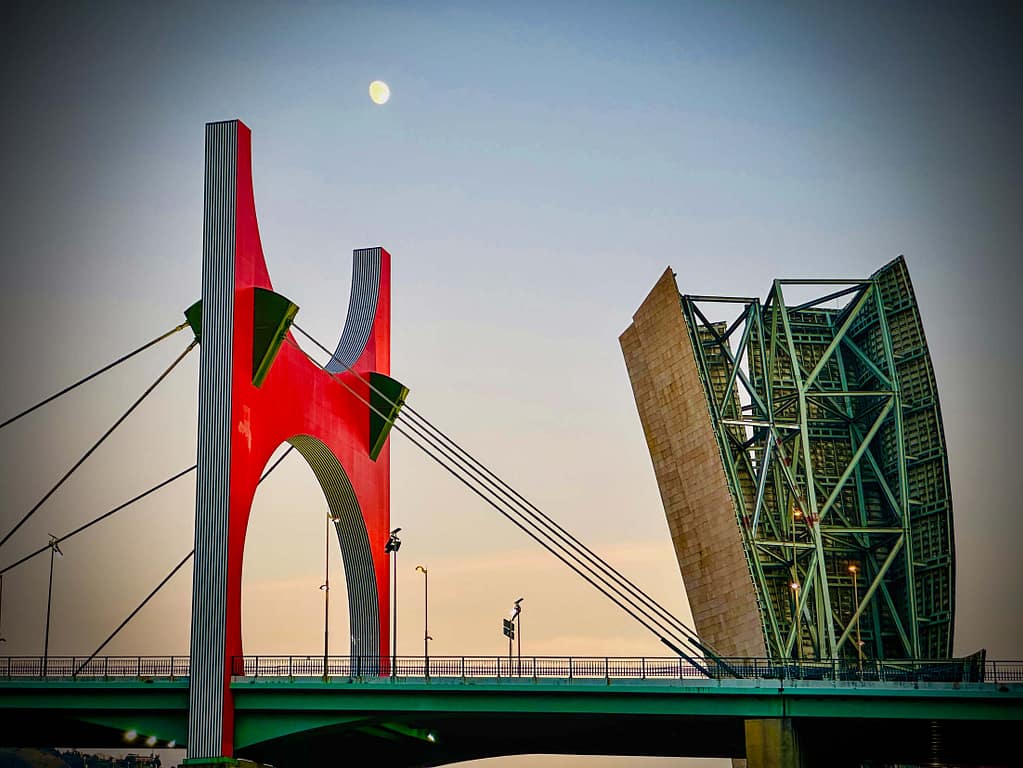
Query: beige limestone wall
x,y
690,475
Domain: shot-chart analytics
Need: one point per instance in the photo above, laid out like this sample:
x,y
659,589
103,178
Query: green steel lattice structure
x,y
827,420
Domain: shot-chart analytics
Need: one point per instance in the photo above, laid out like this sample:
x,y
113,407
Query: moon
x,y
379,92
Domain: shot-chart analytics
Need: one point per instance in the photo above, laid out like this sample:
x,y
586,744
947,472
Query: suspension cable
x,y
643,620
533,512
99,442
134,613
690,636
104,516
94,374
530,514
550,524
166,578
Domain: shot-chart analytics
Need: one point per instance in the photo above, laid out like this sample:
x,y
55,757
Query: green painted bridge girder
x,y
269,708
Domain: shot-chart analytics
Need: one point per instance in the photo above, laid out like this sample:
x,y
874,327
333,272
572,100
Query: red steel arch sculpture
x,y
258,390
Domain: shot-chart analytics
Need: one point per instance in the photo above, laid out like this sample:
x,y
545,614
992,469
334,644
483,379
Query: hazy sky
x,y
536,169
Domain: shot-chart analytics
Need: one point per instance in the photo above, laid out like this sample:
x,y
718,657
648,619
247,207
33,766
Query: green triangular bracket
x,y
272,316
386,398
194,317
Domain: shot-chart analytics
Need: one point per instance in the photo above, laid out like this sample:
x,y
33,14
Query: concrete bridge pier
x,y
772,743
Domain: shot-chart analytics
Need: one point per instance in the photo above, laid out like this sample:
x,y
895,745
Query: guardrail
x,y
533,668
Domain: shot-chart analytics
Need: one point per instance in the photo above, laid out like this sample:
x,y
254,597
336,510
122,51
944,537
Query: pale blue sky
x,y
534,172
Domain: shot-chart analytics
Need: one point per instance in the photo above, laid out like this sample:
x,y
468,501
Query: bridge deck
x,y
288,721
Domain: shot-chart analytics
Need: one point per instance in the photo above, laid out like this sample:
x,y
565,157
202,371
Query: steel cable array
x,y
539,526
165,579
94,374
99,442
456,461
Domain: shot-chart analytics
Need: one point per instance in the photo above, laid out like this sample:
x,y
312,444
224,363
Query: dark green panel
x,y
194,317
272,315
387,396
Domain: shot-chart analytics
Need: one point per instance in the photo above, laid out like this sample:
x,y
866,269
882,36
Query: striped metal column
x,y
209,590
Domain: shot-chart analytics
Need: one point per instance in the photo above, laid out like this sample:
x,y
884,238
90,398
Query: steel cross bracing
x,y
830,436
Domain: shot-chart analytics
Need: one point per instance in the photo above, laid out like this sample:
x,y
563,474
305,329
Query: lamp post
x,y
54,550
799,633
517,617
796,514
391,548
2,638
426,620
325,587
854,570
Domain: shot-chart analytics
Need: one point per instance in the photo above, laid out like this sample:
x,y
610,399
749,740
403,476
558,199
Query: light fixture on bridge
x,y
54,550
516,616
151,741
172,743
391,548
794,586
426,619
854,570
131,735
393,542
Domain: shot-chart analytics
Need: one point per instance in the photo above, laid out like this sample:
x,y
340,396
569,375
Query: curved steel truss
x,y
827,420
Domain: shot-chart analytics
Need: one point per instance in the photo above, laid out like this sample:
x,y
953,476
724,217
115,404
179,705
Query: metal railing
x,y
526,668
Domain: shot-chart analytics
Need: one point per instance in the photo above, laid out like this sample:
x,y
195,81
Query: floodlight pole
x,y
391,548
518,631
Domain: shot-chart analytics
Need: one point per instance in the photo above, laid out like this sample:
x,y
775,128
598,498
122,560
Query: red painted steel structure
x,y
297,398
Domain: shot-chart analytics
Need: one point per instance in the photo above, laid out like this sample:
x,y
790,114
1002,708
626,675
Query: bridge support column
x,y
772,743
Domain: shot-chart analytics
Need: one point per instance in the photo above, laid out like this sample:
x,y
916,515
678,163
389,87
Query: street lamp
x,y
517,617
426,620
2,638
54,550
325,587
391,547
796,514
854,570
799,630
